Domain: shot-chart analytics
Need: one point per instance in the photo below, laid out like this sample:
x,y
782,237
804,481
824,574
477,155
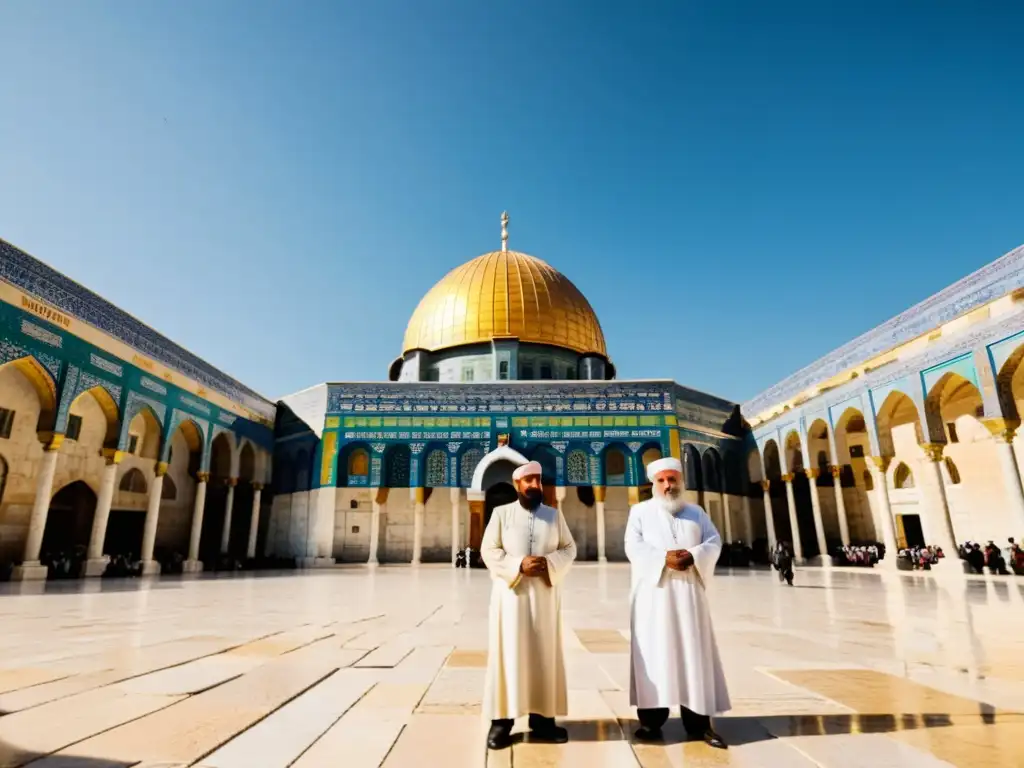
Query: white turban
x,y
529,468
663,465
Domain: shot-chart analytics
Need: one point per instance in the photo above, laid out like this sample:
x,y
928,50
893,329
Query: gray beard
x,y
670,506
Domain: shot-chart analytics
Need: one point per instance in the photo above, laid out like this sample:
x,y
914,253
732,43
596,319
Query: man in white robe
x,y
673,547
528,549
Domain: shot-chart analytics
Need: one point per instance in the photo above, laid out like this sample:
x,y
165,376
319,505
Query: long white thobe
x,y
673,656
525,668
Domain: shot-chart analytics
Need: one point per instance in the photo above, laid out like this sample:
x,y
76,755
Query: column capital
x,y
1003,430
634,495
257,486
882,462
835,470
112,456
933,451
600,493
765,485
560,492
202,477
788,477
161,468
812,474
51,441
419,495
231,482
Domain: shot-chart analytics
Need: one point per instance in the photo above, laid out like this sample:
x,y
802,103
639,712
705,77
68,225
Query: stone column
x,y
837,486
748,521
945,535
560,491
769,516
254,521
455,496
193,565
31,568
1004,434
885,510
725,518
151,567
225,531
419,496
378,508
794,524
95,564
819,524
599,497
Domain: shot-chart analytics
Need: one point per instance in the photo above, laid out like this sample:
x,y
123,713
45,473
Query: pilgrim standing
x,y
528,549
672,547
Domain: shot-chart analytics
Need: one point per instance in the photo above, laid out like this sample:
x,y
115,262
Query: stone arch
x,y
133,481
772,460
898,414
221,456
111,413
711,470
954,400
777,491
68,526
648,453
794,452
693,475
42,384
169,489
502,453
1010,385
902,477
143,422
247,462
850,430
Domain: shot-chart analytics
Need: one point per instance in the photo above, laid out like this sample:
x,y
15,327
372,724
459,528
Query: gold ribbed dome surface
x,y
504,294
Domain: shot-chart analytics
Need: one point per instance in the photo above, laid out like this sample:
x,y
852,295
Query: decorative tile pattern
x,y
106,365
470,459
437,469
10,351
197,405
153,386
87,381
39,333
37,279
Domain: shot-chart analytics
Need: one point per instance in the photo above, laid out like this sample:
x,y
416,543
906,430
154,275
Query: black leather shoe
x,y
499,737
549,734
643,733
712,739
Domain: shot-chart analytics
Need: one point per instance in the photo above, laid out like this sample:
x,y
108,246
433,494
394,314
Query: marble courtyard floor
x,y
351,667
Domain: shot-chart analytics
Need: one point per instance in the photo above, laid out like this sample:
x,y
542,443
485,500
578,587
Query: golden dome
x,y
505,294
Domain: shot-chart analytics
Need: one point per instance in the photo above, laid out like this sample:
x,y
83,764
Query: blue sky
x,y
737,187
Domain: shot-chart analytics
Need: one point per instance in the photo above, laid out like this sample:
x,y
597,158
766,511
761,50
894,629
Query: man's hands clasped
x,y
678,559
533,565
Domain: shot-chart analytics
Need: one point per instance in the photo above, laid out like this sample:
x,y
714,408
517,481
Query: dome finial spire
x,y
504,231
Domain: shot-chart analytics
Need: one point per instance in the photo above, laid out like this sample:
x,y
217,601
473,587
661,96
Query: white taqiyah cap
x,y
663,465
529,468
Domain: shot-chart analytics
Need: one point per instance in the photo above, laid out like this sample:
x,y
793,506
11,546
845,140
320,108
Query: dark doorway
x,y
214,510
68,526
805,515
498,494
912,530
124,532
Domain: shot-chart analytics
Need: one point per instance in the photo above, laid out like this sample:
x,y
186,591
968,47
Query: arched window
x,y
359,463
437,469
614,467
398,460
470,459
954,473
903,477
577,468
133,482
169,491
869,481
